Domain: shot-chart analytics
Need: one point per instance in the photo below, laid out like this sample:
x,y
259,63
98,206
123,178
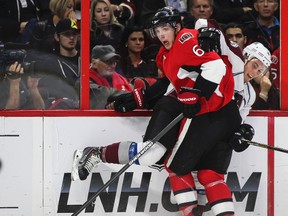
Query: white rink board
x,y
281,166
21,152
36,156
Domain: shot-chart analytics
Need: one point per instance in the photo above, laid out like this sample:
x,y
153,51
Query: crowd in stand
x,y
47,75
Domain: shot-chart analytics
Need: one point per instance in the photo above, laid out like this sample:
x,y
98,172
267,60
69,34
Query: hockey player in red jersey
x,y
202,88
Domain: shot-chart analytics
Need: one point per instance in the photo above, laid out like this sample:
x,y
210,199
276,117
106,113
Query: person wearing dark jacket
x,y
17,18
266,28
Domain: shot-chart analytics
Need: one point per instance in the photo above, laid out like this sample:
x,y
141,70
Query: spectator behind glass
x,y
135,62
105,29
59,71
201,8
198,9
67,35
102,71
235,33
266,28
17,18
19,91
42,37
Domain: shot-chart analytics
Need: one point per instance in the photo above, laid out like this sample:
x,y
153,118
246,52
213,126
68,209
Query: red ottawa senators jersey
x,y
185,61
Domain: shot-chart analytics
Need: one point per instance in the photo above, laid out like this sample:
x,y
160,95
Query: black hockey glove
x,y
189,99
245,131
209,39
129,101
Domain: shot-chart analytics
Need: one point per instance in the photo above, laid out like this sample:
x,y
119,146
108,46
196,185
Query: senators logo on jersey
x,y
185,37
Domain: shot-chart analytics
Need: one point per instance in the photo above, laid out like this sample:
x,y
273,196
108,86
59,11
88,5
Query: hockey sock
x,y
123,152
117,153
183,188
109,153
218,193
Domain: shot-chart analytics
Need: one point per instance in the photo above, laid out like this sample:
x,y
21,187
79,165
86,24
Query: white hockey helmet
x,y
257,50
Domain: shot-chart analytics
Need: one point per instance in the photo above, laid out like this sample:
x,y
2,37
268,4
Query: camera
x,y
9,56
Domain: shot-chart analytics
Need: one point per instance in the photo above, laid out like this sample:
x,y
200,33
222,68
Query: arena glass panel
x,y
85,62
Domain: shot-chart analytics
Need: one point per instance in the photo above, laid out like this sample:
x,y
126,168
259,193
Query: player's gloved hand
x,y
245,131
128,101
189,98
209,39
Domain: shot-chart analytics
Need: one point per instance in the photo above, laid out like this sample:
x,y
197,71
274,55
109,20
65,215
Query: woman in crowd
x,y
136,62
105,29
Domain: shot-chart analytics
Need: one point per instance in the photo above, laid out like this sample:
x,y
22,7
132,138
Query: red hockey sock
x,y
218,193
109,153
183,188
118,153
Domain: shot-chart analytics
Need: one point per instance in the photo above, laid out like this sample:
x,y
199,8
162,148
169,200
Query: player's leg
x,y
218,193
201,194
198,137
185,194
119,153
122,152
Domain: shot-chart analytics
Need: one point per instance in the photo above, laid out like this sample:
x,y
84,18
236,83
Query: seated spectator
x,y
58,77
198,9
19,91
102,71
42,37
266,28
105,29
201,8
17,19
67,34
135,62
235,33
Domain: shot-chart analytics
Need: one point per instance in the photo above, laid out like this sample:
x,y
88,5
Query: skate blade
x,y
76,158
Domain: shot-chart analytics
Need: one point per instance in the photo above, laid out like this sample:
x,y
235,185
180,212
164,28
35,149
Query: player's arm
x,y
140,98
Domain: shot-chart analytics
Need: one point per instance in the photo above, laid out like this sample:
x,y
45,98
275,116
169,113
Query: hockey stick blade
x,y
126,166
265,146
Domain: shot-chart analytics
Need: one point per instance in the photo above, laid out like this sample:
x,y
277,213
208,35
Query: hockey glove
x,y
209,39
245,131
129,101
189,99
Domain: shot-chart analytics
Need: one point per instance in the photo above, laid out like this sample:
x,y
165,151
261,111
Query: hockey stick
x,y
136,157
265,146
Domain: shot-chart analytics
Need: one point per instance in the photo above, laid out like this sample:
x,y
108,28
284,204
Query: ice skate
x,y
84,161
